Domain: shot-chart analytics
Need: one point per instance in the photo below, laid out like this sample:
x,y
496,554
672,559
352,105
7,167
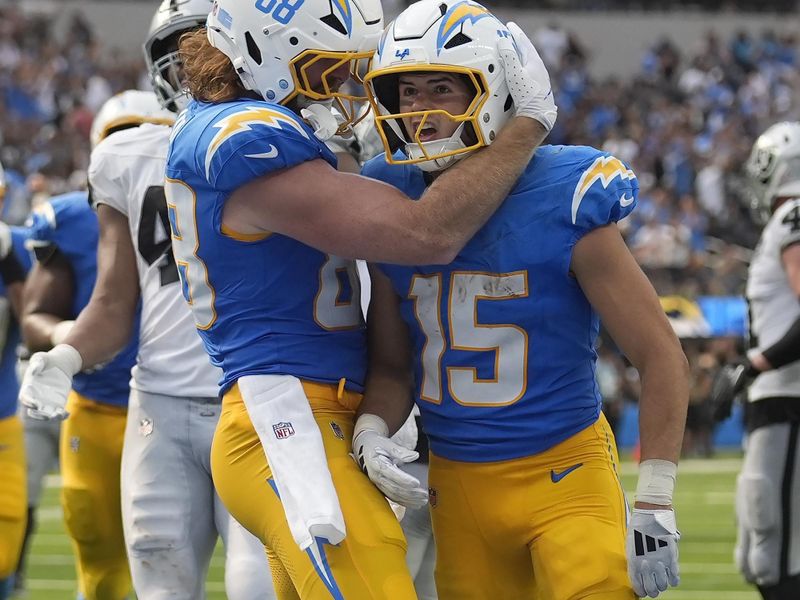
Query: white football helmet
x,y
452,36
773,169
128,109
173,18
273,44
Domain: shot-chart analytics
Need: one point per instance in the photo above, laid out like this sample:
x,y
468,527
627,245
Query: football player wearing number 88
x,y
523,467
259,219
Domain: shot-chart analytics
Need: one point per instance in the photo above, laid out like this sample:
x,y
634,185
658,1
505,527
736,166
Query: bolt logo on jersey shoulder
x,y
242,121
455,17
604,169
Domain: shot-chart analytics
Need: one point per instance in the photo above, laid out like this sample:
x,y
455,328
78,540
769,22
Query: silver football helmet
x,y
172,19
773,169
128,109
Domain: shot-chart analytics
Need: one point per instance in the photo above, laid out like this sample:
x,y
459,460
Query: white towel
x,y
281,414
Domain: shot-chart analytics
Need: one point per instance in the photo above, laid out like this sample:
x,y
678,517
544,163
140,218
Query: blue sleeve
x,y
407,178
19,237
605,191
257,140
66,222
42,230
373,168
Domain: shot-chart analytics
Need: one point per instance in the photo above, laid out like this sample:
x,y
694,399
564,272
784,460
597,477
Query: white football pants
x,y
171,513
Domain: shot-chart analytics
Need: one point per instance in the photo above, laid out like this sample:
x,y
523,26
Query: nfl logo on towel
x,y
283,430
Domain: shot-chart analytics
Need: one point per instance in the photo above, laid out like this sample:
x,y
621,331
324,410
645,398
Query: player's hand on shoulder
x,y
652,550
527,78
379,457
48,381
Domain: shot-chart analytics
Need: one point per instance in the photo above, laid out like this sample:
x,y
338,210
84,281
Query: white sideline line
x,y
51,540
52,481
695,466
702,568
51,513
710,595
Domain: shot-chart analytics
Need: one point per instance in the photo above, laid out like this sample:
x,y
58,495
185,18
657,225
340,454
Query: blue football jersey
x,y
262,304
9,386
69,224
503,336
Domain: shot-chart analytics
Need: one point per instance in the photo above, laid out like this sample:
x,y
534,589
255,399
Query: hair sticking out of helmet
x,y
128,109
456,39
300,51
773,168
172,19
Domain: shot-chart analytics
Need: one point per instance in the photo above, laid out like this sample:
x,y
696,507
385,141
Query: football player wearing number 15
x,y
259,220
523,466
170,513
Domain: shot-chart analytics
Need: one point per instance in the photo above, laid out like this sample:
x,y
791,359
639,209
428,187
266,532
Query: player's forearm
x,y
463,198
663,403
102,329
389,396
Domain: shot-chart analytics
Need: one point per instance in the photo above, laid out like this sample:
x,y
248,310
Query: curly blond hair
x,y
209,74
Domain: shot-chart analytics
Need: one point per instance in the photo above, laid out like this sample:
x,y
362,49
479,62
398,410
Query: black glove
x,y
729,382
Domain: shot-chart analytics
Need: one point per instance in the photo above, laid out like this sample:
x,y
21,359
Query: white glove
x,y
408,435
6,243
527,78
325,120
48,380
379,457
652,549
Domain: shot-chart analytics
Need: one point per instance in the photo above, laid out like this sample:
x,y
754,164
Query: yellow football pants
x,y
549,526
91,451
13,494
369,564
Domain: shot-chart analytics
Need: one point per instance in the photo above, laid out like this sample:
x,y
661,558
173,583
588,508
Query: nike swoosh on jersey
x,y
625,200
271,153
556,477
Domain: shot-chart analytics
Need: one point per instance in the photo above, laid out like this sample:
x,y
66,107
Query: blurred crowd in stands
x,y
685,124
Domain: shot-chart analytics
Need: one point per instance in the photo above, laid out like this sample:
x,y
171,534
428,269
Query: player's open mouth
x,y
427,134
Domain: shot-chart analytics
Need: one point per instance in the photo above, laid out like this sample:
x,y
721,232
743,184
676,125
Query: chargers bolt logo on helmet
x,y
455,17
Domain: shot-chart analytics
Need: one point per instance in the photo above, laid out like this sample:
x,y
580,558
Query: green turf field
x,y
704,501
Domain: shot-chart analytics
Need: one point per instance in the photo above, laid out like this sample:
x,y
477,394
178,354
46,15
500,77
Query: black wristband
x,y
11,270
787,349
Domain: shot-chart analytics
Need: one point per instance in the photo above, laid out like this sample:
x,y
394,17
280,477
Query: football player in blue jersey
x,y
14,263
524,485
64,235
259,219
